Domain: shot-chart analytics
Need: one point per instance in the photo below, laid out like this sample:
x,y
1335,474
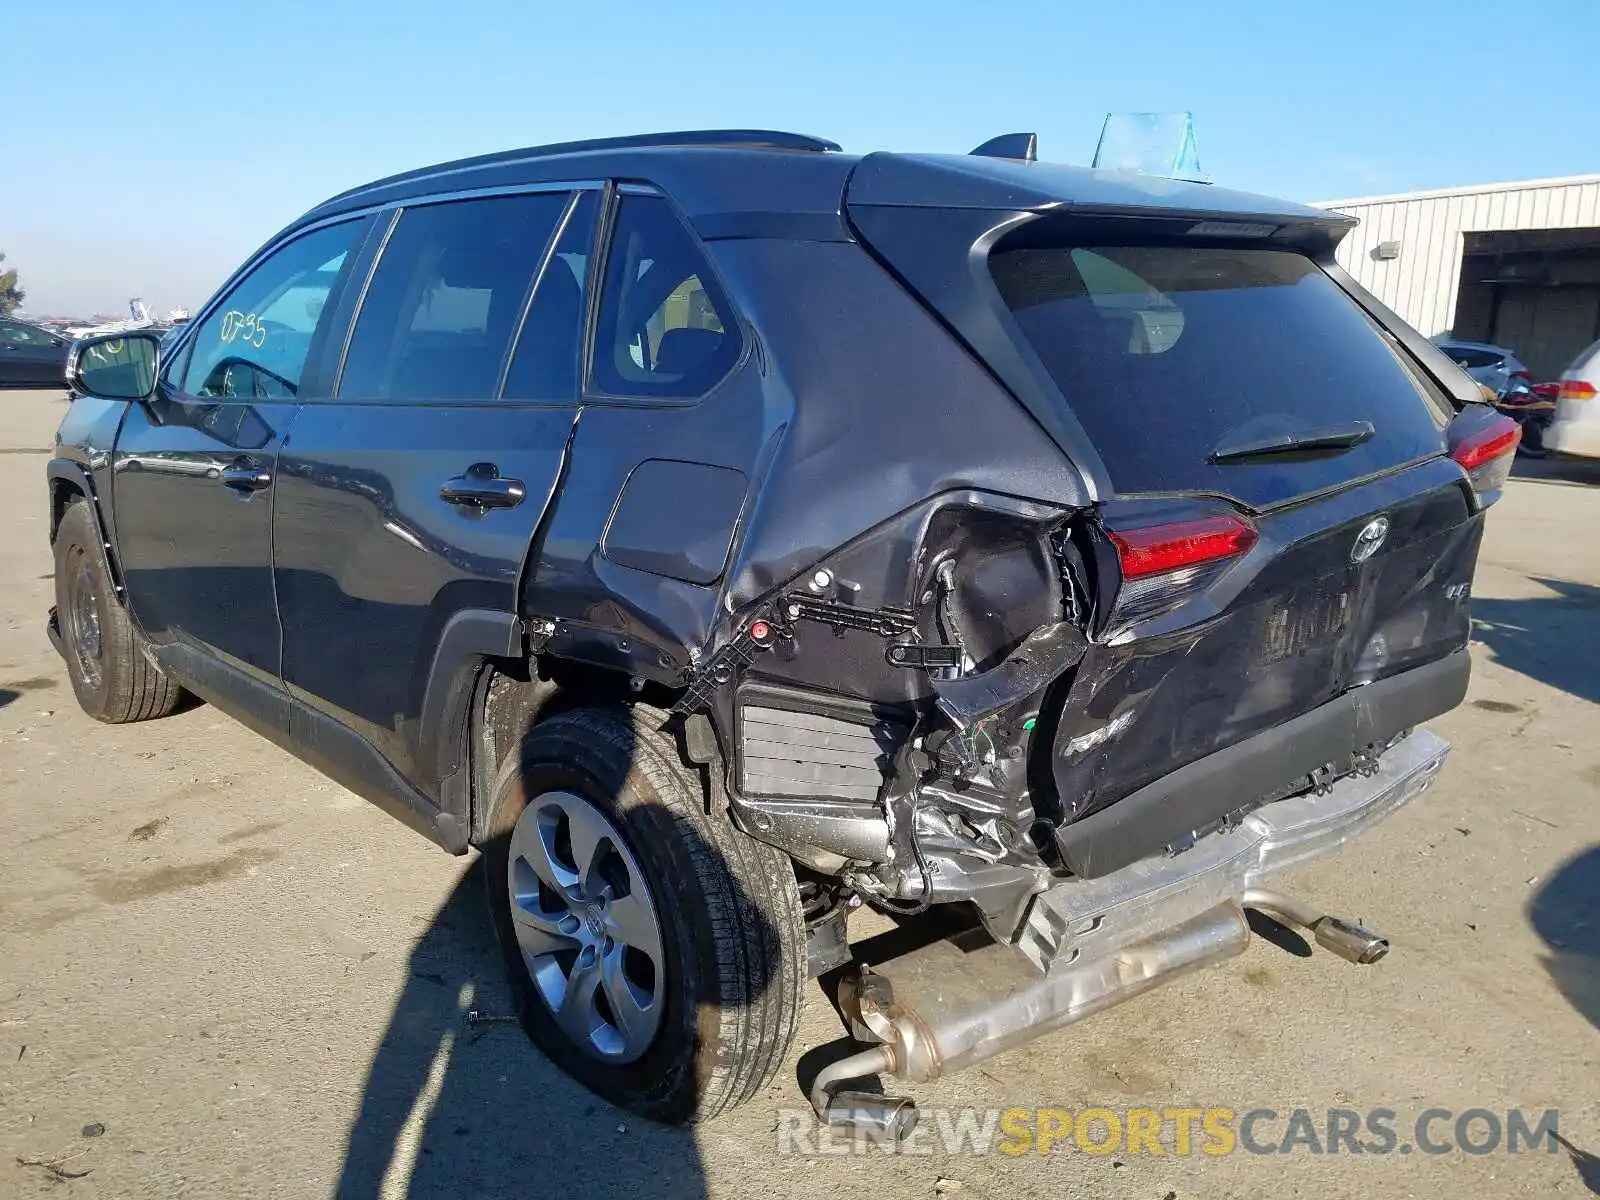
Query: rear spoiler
x,y
995,178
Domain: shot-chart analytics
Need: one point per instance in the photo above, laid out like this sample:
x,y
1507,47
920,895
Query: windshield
x,y
1167,352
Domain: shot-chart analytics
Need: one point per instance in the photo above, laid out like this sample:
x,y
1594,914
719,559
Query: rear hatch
x,y
1278,515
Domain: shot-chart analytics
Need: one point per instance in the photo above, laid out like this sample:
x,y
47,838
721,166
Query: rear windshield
x,y
1167,353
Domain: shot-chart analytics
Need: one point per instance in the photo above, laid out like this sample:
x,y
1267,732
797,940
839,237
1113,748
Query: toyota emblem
x,y
1369,539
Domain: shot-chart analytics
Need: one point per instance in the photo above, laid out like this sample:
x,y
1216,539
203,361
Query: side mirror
x,y
115,366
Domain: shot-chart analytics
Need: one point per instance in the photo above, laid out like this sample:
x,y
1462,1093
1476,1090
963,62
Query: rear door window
x,y
444,301
1167,353
665,328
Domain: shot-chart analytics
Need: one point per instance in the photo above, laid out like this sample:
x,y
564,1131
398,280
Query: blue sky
x,y
146,149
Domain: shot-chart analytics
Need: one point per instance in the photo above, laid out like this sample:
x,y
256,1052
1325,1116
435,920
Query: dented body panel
x,y
920,665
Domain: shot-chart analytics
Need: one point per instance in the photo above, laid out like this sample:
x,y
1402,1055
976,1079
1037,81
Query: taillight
x,y
1166,564
1576,389
1486,454
1156,549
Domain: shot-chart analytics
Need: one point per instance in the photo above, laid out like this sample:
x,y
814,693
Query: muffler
x,y
941,1009
1349,941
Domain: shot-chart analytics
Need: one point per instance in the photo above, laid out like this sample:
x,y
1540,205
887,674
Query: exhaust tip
x,y
1350,941
881,1118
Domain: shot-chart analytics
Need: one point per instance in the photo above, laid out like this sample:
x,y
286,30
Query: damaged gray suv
x,y
722,533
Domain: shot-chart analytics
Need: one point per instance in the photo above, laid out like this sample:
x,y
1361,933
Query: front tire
x,y
113,679
658,953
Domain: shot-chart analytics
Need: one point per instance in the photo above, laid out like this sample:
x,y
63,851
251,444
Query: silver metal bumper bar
x,y
1087,919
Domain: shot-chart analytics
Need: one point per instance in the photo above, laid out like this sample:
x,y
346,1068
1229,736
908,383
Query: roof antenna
x,y
1024,146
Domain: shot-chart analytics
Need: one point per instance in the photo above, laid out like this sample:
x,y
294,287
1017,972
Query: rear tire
x,y
113,679
716,1015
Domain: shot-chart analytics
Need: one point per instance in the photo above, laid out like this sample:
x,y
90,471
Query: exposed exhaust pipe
x,y
940,1009
1349,941
890,1118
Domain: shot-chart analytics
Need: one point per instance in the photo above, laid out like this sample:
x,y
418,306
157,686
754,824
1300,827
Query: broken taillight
x,y
1165,564
1487,452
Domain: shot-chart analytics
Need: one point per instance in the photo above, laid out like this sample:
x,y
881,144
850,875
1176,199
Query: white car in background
x,y
1576,426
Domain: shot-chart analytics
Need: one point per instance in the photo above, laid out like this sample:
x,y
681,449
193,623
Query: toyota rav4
x,y
721,532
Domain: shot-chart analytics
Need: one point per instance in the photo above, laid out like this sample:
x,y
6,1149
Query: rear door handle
x,y
483,487
242,477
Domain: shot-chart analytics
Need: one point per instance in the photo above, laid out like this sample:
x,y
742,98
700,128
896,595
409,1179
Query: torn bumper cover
x,y
1090,919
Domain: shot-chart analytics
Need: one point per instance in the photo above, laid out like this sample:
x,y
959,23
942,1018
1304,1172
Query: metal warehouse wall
x,y
1421,284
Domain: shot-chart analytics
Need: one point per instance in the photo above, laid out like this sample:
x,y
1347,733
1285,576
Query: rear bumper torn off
x,y
1091,918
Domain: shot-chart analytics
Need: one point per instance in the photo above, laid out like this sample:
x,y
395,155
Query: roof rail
x,y
737,139
1024,146
728,139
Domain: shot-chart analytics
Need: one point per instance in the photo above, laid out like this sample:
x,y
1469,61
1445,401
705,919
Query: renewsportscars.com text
x,y
1188,1131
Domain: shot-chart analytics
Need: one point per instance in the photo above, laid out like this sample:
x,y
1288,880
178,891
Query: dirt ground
x,y
222,975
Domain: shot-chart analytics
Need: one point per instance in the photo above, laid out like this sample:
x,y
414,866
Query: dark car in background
x,y
723,532
31,356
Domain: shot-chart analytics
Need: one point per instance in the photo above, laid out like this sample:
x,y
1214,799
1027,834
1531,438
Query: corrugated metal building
x,y
1517,264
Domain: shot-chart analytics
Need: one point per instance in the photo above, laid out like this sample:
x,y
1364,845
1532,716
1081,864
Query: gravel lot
x,y
258,984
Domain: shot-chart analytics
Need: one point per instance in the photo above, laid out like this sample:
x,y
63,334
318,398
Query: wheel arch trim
x,y
64,476
471,638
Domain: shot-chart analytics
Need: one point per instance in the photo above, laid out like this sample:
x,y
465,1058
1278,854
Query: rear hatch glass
x,y
1169,354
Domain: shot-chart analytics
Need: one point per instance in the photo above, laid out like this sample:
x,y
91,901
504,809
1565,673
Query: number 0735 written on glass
x,y
243,327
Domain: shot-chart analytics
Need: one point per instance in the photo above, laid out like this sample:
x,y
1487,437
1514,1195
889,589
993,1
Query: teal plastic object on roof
x,y
1155,143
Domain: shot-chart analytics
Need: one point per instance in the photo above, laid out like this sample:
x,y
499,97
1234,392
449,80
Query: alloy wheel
x,y
587,926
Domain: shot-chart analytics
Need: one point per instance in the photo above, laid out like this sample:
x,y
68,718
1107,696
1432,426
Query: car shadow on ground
x,y
1565,913
458,1107
1554,639
1555,469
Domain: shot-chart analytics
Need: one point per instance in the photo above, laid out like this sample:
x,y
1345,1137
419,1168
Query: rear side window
x,y
444,301
1168,353
255,342
665,328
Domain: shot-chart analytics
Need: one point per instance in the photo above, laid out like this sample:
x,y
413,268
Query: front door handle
x,y
483,487
242,477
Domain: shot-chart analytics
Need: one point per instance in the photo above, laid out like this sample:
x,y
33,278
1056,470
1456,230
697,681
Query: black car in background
x,y
31,356
723,532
